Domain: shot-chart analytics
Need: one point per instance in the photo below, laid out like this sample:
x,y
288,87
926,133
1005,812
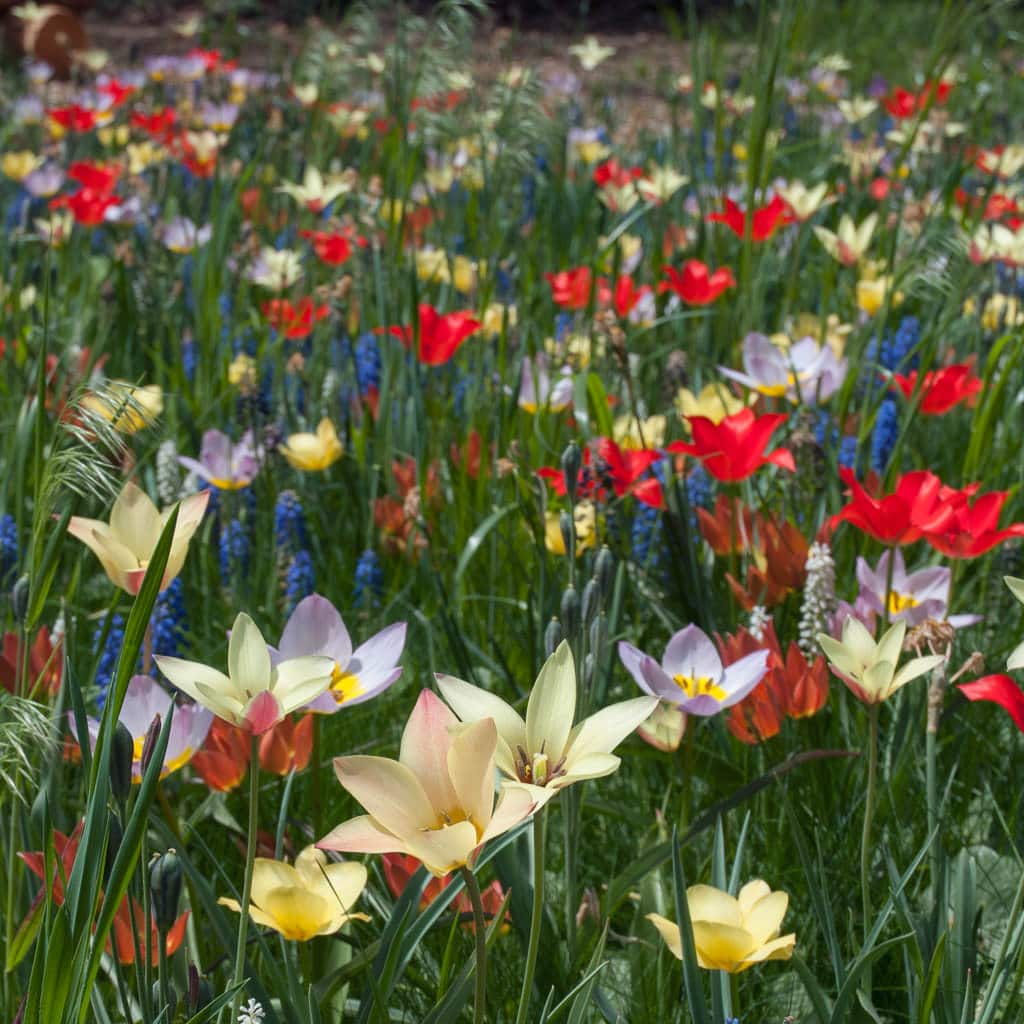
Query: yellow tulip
x,y
19,165
436,802
715,401
127,407
585,518
125,546
632,434
871,294
310,899
730,933
313,452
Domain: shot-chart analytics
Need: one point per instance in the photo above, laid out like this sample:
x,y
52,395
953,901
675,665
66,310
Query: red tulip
x,y
625,297
159,125
440,334
942,389
611,173
972,529
571,289
45,664
74,118
124,941
764,221
287,746
901,103
116,90
293,321
1001,690
626,471
333,248
224,759
920,502
734,448
87,206
695,285
99,177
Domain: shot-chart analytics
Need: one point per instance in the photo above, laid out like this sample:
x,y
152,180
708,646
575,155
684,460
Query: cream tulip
x,y
849,244
255,694
436,802
732,933
126,544
310,899
547,752
869,669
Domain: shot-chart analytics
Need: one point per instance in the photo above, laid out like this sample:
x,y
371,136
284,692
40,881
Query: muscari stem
x,y
537,919
479,926
250,860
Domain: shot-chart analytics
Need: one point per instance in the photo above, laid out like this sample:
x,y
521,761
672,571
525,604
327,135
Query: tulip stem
x,y
250,861
480,927
865,838
537,920
165,981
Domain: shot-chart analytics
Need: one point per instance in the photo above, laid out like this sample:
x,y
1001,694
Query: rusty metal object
x,y
53,35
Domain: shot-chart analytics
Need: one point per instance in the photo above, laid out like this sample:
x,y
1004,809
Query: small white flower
x,y
251,1013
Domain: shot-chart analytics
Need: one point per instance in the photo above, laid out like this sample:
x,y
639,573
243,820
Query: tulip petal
x,y
388,791
248,657
424,750
721,946
185,675
262,713
135,521
602,732
670,933
691,653
375,662
552,705
515,804
443,849
999,689
778,949
764,919
299,680
471,703
471,769
361,835
316,627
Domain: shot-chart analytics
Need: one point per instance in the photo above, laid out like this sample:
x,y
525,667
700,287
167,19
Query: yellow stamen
x,y
901,602
699,686
345,686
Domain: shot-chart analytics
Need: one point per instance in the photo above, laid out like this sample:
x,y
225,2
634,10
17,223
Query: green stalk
x,y
936,692
480,927
537,918
865,838
250,859
165,981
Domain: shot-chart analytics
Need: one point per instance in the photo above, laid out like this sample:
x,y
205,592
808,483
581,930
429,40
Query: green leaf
x,y
691,970
931,984
211,1009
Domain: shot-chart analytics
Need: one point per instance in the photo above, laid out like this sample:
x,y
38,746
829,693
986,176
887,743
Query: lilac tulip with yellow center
x,y
255,694
691,674
310,899
146,700
126,544
228,466
436,802
732,933
316,627
547,752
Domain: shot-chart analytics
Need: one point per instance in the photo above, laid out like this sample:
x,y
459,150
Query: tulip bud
x,y
571,459
570,610
552,637
165,876
115,835
598,635
565,524
149,743
591,601
122,753
199,991
19,598
604,570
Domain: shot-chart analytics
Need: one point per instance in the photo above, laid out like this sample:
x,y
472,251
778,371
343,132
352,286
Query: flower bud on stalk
x,y
604,571
552,637
149,743
199,991
122,753
571,460
598,635
19,599
589,665
591,601
165,877
565,524
570,614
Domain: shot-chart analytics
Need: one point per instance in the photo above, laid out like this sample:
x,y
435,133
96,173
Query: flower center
x,y
901,602
699,686
537,769
344,685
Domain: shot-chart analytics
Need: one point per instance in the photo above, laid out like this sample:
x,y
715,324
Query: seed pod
x,y
571,460
122,753
19,598
115,834
591,601
165,877
552,637
604,570
570,610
